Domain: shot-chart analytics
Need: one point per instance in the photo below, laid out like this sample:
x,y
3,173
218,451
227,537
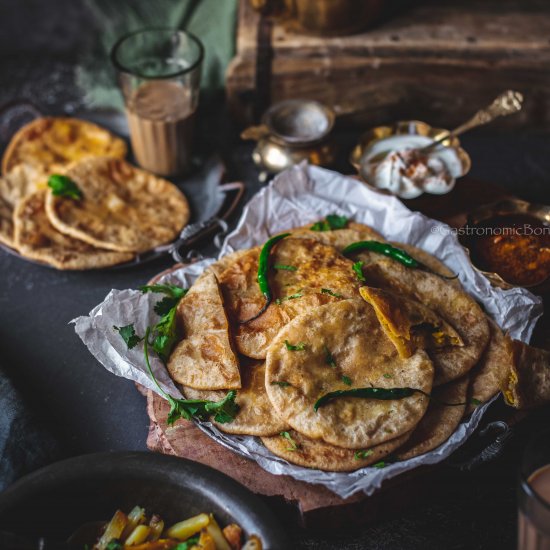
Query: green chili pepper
x,y
263,271
383,394
392,252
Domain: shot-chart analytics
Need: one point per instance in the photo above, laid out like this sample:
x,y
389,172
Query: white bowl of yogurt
x,y
388,159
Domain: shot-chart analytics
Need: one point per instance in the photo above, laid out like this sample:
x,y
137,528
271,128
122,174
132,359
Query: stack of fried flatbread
x,y
122,210
331,329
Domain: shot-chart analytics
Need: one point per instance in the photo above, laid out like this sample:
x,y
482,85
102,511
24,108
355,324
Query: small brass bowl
x,y
293,131
505,207
405,127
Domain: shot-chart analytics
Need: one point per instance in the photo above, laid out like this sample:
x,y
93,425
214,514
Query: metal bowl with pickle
x,y
379,158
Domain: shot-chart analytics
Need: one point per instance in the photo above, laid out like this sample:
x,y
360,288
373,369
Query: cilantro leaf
x,y
128,334
329,358
279,301
115,544
293,445
187,545
282,384
330,293
62,186
163,306
386,375
359,455
285,267
298,347
358,270
165,334
332,221
223,410
475,401
174,291
379,465
346,380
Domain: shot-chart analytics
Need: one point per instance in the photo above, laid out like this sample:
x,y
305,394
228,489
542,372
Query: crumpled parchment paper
x,y
296,197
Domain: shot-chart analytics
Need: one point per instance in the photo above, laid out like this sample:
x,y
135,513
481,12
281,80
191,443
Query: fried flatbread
x,y
440,421
20,182
205,358
527,384
344,347
409,324
339,238
489,375
450,302
36,238
123,208
256,414
48,144
312,453
313,265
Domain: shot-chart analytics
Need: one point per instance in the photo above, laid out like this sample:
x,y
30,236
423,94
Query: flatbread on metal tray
x,y
527,384
489,375
256,414
205,358
315,265
50,143
123,208
410,325
440,420
36,238
343,341
459,309
311,453
20,182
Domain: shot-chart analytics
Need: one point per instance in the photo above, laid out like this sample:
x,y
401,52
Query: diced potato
x,y
216,533
234,535
189,527
114,530
138,535
157,527
253,543
206,541
135,517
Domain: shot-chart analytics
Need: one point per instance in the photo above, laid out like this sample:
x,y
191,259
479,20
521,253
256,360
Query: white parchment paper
x,y
296,197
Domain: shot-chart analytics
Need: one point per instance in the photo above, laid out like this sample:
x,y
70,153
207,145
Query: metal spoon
x,y
507,103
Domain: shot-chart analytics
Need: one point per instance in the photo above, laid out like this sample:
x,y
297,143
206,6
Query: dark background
x,y
90,410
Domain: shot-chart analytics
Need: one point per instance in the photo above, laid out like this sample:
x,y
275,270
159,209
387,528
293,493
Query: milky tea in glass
x,y
159,74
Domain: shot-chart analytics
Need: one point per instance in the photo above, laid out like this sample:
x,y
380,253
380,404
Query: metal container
x,y
293,131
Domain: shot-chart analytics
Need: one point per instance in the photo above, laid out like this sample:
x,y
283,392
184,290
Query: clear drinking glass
x,y
159,74
534,496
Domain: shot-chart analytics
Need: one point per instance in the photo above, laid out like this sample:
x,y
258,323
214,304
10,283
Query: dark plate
x,y
54,501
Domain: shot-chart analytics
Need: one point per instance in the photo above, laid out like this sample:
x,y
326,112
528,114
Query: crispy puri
x,y
450,302
48,144
339,238
205,358
527,384
440,420
489,375
36,238
311,453
256,415
315,266
341,346
409,324
123,208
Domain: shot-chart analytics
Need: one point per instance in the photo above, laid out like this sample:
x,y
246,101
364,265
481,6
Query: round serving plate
x,y
55,501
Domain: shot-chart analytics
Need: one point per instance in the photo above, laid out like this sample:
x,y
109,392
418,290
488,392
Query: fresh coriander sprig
x,y
293,445
279,301
298,347
332,221
63,186
361,455
358,270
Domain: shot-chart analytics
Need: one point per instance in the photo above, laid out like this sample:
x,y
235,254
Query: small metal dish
x,y
405,127
293,131
505,207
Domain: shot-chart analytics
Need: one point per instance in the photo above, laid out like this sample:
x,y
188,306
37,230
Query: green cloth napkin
x,y
212,21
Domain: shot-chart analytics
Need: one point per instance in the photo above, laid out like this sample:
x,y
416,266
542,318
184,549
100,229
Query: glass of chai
x,y
159,72
534,496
